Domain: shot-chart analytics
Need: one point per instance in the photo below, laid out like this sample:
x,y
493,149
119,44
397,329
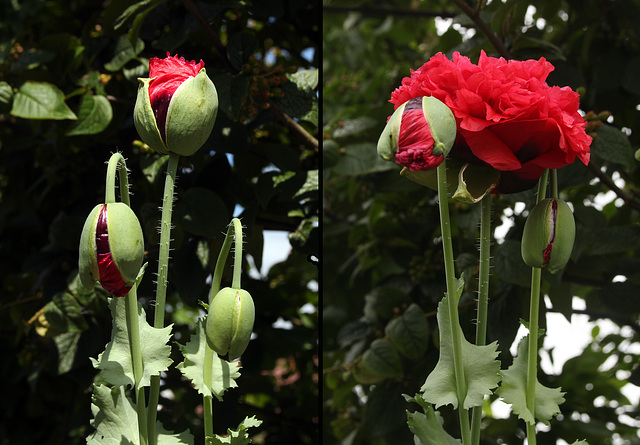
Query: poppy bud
x,y
419,134
548,235
111,248
176,106
230,322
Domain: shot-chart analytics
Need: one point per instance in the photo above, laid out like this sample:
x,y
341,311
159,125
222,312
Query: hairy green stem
x,y
161,290
447,247
233,234
118,164
483,299
133,327
534,312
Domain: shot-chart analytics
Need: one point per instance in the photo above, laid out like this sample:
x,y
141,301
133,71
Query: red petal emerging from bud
x,y
552,236
167,75
110,277
415,142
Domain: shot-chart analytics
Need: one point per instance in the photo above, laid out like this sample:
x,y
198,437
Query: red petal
x,y
110,277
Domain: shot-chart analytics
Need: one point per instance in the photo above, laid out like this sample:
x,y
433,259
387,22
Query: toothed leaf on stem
x,y
513,390
223,373
115,362
480,367
238,437
116,422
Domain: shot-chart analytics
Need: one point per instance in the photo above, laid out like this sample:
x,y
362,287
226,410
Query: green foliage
x,y
116,364
68,84
382,249
479,365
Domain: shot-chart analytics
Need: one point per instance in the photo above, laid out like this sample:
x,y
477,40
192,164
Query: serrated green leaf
x,y
223,373
305,79
513,390
238,437
116,422
480,367
231,90
40,100
428,428
410,332
93,117
125,51
115,362
382,358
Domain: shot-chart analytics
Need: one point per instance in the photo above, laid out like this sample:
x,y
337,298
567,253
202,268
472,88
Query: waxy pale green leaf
x,y
116,422
223,373
115,362
480,367
428,427
513,390
238,437
40,100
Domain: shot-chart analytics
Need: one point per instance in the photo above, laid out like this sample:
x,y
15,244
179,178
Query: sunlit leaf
x,y
40,100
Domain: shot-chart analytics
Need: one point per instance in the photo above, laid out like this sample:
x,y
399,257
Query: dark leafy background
x,y
68,82
383,271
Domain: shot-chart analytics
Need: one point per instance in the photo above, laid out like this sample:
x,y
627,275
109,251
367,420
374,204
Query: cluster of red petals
x,y
507,115
110,277
415,142
166,76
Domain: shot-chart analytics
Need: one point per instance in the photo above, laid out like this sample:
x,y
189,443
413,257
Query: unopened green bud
x,y
230,322
549,233
419,134
111,248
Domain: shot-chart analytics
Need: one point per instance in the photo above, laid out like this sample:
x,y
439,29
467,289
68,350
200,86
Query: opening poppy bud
x,y
176,106
230,322
111,248
419,134
548,235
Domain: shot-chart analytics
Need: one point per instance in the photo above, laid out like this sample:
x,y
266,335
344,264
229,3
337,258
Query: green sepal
x,y
126,240
388,141
145,120
230,322
87,259
442,124
513,390
474,182
191,115
480,367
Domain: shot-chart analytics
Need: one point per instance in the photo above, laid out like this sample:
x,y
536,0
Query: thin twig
x,y
370,10
606,180
309,139
482,26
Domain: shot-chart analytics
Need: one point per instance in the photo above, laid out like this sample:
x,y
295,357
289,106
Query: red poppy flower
x,y
507,116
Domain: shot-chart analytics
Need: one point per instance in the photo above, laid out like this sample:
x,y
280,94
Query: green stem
x,y
234,234
447,247
483,299
136,357
161,290
118,164
554,183
534,312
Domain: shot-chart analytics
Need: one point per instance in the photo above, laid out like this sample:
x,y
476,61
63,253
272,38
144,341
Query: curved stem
x,y
117,164
483,298
233,234
534,312
161,290
452,300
